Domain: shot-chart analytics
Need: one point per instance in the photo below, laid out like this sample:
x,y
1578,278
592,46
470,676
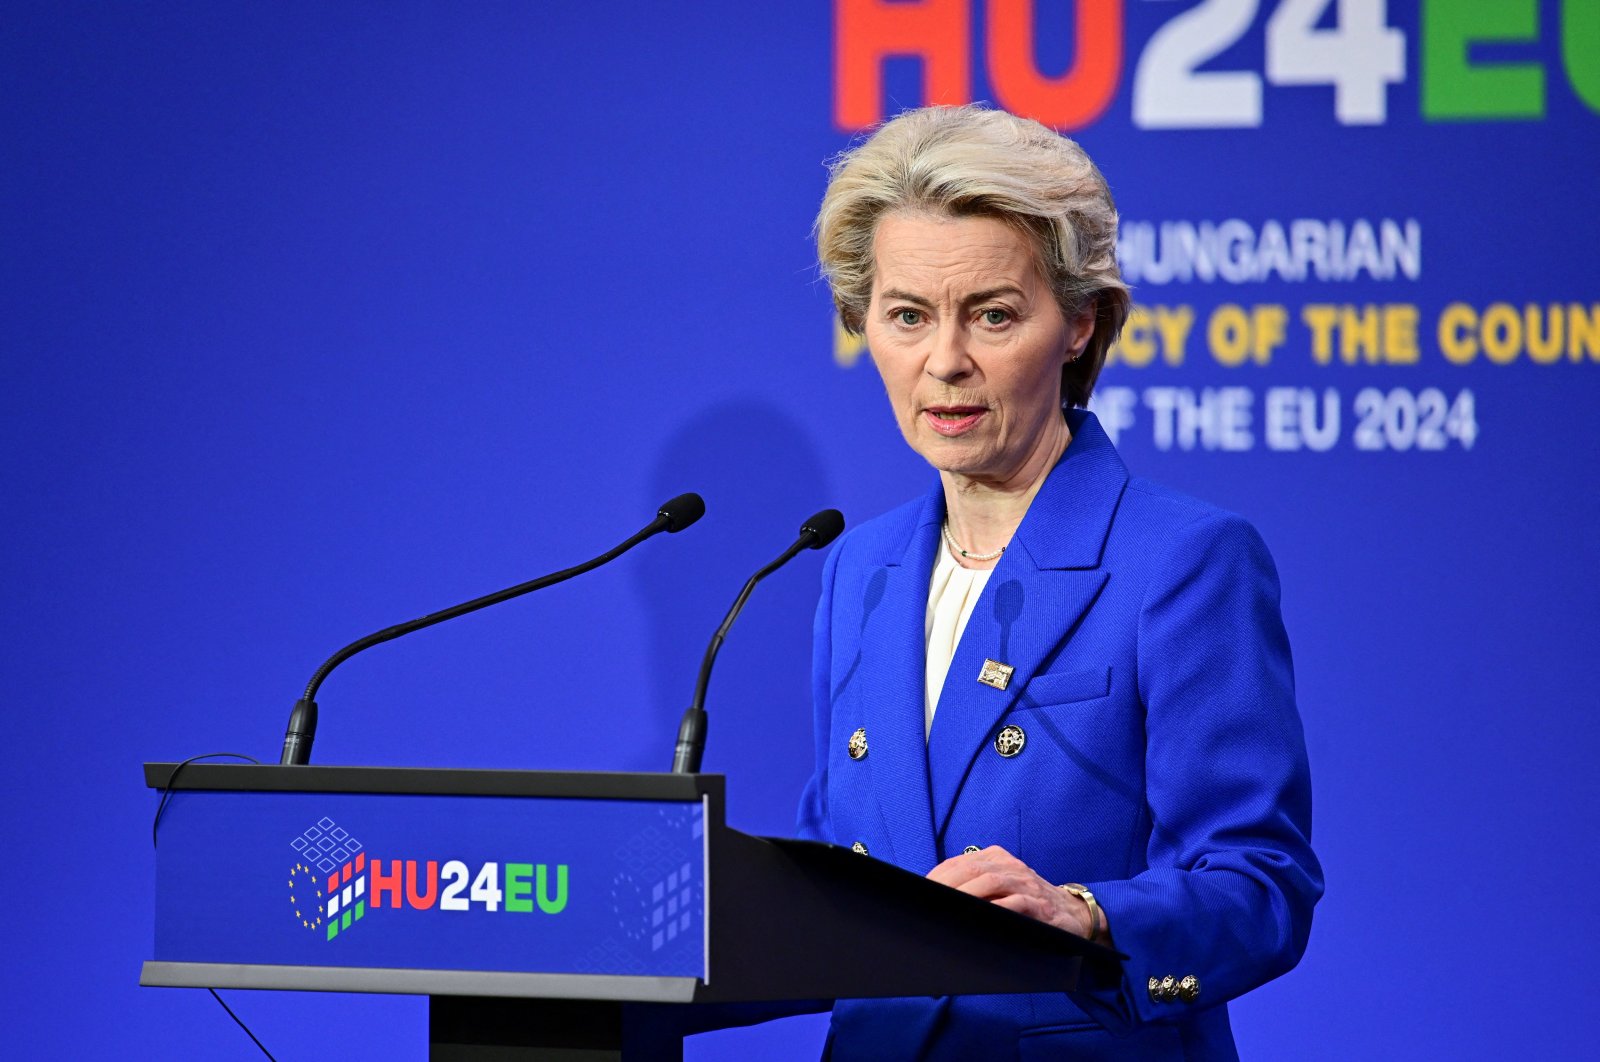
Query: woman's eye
x,y
996,318
908,317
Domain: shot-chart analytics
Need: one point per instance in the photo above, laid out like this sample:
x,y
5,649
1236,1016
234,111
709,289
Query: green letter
x,y
1580,48
1452,87
517,887
547,905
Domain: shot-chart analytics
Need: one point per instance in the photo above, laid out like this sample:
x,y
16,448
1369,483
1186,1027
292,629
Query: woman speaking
x,y
1045,683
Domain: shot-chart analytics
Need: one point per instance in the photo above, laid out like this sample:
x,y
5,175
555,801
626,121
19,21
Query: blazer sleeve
x,y
1231,878
812,820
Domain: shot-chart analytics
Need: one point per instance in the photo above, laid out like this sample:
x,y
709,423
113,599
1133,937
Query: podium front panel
x,y
403,887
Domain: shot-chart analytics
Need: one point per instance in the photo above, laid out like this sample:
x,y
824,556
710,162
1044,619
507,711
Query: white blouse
x,y
952,593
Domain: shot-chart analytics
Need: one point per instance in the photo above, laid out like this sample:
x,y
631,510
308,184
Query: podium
x,y
553,915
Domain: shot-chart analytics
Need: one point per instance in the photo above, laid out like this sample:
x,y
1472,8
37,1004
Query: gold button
x,y
1189,989
1155,990
858,743
969,849
859,849
1169,988
1010,740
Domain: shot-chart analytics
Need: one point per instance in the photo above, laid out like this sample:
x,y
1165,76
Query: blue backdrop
x,y
321,317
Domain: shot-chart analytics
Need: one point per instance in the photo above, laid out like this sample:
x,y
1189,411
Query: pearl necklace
x,y
944,529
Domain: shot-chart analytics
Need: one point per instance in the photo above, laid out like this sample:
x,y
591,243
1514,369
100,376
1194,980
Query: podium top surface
x,y
612,785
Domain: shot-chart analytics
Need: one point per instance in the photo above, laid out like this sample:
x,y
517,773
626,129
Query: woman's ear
x,y
1080,329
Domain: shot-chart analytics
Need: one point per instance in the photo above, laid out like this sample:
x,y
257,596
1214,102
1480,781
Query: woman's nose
x,y
948,360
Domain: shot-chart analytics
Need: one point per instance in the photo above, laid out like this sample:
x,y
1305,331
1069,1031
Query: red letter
x,y
1077,97
866,32
385,883
425,900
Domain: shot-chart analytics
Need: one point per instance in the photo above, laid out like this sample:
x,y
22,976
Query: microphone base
x,y
691,741
301,733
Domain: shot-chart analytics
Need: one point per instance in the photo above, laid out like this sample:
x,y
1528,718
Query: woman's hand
x,y
996,875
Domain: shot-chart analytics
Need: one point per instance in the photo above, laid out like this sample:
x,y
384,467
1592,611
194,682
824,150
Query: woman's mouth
x,y
953,420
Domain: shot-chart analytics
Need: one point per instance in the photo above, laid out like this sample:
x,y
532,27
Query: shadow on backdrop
x,y
761,477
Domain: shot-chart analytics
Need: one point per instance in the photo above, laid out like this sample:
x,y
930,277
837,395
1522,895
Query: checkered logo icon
x,y
328,882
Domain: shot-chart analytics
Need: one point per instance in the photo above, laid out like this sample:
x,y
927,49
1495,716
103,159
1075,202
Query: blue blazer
x,y
1163,762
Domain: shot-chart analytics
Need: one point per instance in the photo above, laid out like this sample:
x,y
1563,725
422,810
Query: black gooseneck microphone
x,y
815,533
672,517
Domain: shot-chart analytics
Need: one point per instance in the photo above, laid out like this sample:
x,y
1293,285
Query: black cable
x,y
242,1025
166,795
166,790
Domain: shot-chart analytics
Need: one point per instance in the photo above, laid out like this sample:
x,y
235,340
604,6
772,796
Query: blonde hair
x,y
971,161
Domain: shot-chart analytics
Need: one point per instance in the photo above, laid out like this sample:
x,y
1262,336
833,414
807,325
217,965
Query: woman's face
x,y
970,343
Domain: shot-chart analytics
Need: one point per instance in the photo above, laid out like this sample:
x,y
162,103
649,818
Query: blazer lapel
x,y
1043,585
894,635
1020,619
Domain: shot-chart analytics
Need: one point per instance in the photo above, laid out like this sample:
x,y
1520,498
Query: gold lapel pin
x,y
995,674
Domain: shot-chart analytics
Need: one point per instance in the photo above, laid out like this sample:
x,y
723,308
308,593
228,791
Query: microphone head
x,y
824,527
682,511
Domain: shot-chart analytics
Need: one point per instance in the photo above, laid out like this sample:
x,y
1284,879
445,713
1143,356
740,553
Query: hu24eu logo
x,y
333,885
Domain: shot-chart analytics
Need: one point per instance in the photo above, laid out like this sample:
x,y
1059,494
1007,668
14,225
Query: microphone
x,y
818,531
671,517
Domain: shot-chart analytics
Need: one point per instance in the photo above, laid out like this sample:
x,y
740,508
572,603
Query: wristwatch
x,y
1096,919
